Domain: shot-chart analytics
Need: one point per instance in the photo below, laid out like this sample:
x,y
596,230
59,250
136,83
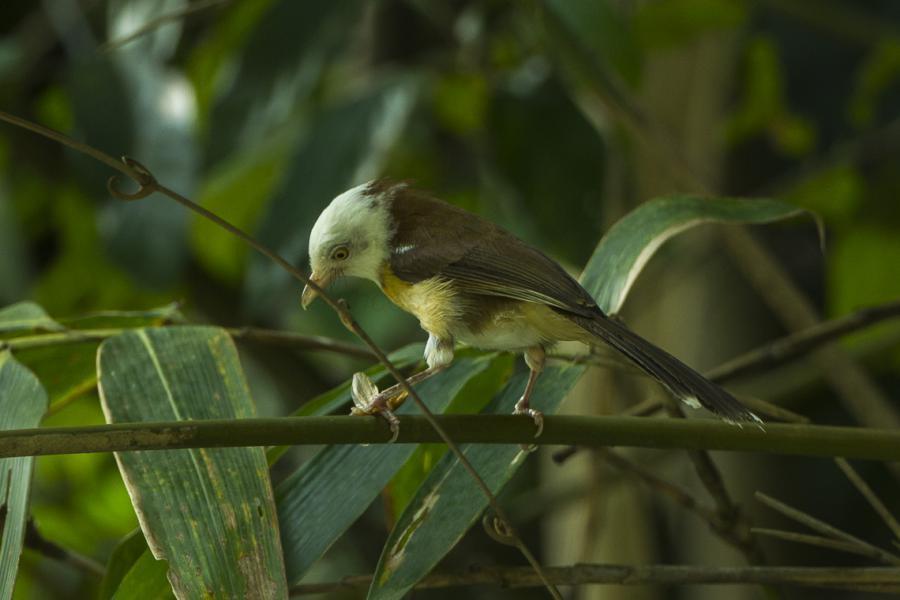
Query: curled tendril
x,y
497,530
140,174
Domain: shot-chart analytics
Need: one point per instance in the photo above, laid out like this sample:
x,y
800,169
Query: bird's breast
x,y
433,301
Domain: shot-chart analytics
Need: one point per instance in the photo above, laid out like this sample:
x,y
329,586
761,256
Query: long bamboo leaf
x,y
329,492
209,512
22,404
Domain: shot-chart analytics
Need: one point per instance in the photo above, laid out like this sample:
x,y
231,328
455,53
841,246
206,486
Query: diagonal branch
x,y
148,184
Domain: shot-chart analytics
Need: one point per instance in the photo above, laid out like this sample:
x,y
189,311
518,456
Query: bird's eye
x,y
340,253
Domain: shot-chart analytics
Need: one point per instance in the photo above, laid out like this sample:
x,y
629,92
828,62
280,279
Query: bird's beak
x,y
309,294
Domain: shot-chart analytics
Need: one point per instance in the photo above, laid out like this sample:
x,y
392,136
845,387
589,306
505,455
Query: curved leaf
x,y
209,512
22,404
449,501
628,245
328,493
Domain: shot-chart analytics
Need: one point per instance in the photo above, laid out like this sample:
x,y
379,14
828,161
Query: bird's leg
x,y
535,357
368,400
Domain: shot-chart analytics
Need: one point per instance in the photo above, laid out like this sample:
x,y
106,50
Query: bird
x,y
468,280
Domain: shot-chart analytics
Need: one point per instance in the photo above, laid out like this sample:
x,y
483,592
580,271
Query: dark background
x,y
263,110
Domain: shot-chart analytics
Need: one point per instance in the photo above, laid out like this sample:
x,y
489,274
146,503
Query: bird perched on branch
x,y
467,280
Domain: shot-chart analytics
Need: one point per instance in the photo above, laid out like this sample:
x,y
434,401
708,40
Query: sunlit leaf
x,y
628,245
22,404
209,512
329,492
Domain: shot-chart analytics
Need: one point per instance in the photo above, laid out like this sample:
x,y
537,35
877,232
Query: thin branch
x,y
161,20
693,434
37,542
871,579
827,530
246,334
817,540
674,492
148,184
795,345
873,499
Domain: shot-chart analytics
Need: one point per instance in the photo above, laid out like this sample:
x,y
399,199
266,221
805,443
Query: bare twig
x,y
246,334
872,579
816,540
828,531
38,543
795,345
873,499
148,184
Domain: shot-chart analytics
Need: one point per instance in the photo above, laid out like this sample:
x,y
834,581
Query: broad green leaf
x,y
22,404
26,316
123,558
209,512
146,580
449,501
471,399
628,245
328,493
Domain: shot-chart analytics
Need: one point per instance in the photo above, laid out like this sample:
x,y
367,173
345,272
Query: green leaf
x,y
121,561
26,316
479,390
22,404
449,501
600,27
209,512
69,370
145,580
628,245
329,492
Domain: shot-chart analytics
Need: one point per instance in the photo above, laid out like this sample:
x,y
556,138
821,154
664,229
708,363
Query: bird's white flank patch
x,y
403,249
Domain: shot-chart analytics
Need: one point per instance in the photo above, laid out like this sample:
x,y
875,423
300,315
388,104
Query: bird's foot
x,y
537,416
367,400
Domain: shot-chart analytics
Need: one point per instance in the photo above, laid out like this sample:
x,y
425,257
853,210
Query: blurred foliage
x,y
263,110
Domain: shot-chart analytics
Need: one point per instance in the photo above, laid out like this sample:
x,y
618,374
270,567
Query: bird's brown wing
x,y
434,238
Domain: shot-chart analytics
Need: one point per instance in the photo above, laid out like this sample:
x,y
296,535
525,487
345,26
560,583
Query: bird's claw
x,y
367,400
537,416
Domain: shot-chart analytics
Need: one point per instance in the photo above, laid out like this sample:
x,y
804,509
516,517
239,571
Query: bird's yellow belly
x,y
432,301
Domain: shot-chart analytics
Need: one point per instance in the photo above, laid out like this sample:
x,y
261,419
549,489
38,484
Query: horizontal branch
x,y
688,434
244,334
885,579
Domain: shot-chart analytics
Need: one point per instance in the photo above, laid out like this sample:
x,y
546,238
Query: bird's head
x,y
350,237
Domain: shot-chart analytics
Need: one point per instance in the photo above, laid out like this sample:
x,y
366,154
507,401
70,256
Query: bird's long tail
x,y
683,382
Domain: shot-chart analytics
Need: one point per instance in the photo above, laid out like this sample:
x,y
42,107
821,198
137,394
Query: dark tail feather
x,y
683,382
